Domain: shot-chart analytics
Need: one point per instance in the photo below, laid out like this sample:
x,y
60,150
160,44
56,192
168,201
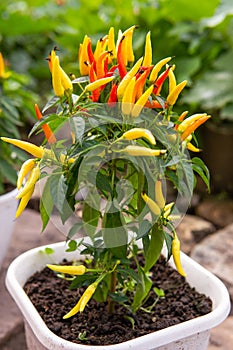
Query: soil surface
x,y
53,299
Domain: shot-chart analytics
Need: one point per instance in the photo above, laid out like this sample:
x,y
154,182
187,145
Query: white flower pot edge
x,y
33,260
8,206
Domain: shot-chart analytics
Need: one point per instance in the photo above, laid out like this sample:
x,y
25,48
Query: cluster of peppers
x,y
135,87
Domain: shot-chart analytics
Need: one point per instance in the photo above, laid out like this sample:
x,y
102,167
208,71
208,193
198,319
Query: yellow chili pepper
x,y
26,167
143,151
192,148
151,204
111,44
176,255
127,49
36,151
138,106
83,56
168,209
56,78
174,94
127,78
98,83
71,270
63,159
159,194
33,177
100,46
80,306
128,97
136,133
3,73
23,202
148,51
172,79
157,68
66,82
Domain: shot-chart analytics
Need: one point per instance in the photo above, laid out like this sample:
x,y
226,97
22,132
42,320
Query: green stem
x,y
139,191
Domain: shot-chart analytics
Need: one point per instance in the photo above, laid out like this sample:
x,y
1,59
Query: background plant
x,y
16,103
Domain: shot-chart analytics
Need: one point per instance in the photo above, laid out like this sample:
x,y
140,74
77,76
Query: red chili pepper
x,y
106,66
92,74
90,53
113,94
113,68
120,59
47,130
159,82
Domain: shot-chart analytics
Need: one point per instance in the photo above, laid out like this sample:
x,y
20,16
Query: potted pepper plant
x,y
113,142
15,105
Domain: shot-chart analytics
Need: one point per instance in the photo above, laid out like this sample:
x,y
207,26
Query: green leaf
x,y
78,127
118,297
115,233
76,228
8,172
155,247
144,228
48,251
58,190
142,290
72,246
82,280
46,204
200,168
90,216
168,240
159,292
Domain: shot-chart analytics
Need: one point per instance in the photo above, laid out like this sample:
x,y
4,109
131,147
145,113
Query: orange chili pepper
x,y
120,59
181,118
46,128
191,128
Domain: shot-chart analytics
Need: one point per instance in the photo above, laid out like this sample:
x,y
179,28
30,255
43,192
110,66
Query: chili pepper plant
x,y
113,141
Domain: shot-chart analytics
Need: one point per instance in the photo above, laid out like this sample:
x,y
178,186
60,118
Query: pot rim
x,y
9,195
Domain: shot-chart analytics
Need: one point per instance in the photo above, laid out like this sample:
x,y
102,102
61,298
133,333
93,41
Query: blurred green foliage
x,y
197,33
16,111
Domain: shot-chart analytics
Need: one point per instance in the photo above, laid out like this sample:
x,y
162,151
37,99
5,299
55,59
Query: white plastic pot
x,y
189,335
8,206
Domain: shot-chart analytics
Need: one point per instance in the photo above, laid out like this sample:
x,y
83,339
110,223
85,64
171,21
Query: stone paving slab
x,y
215,253
218,211
193,229
27,235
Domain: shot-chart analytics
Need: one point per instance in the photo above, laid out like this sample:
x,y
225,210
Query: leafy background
x,y
197,33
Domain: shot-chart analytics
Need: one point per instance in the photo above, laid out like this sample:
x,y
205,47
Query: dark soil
x,y
53,299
